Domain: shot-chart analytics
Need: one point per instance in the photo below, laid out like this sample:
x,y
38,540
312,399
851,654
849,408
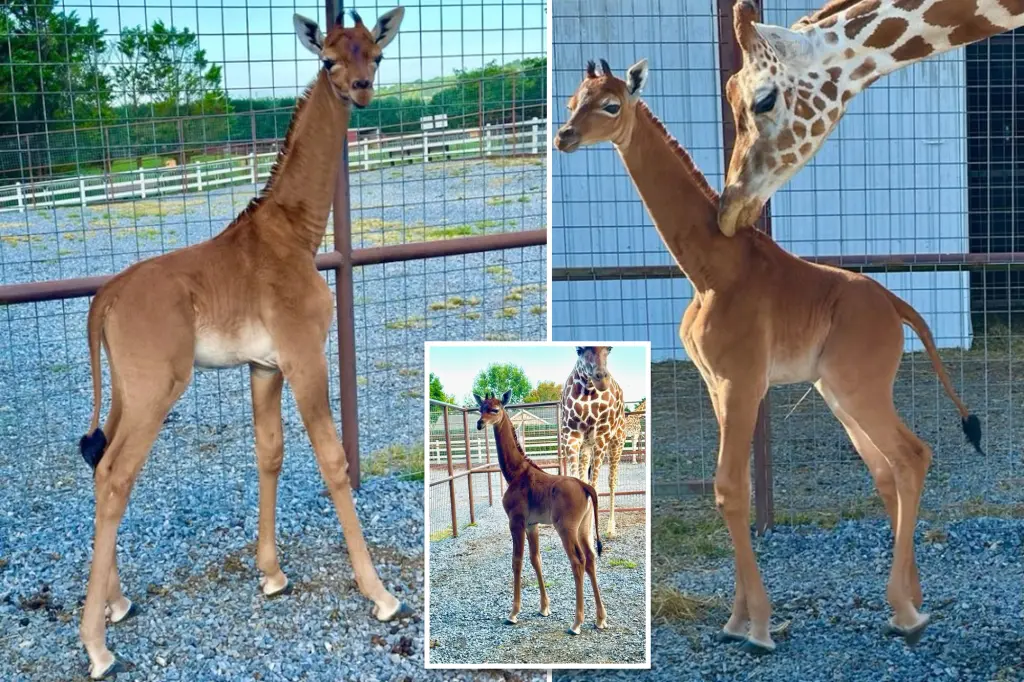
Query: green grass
x,y
497,270
538,310
507,313
621,563
411,393
470,315
513,296
414,322
383,364
439,535
410,372
362,381
498,201
404,460
523,199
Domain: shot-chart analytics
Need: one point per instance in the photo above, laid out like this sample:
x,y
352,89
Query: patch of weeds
x,y
471,524
410,372
510,161
670,606
415,322
470,315
498,201
19,239
404,460
548,584
501,336
453,303
539,310
411,393
936,535
439,535
507,313
65,252
60,368
497,270
513,296
383,364
450,231
523,199
395,174
484,225
362,381
623,563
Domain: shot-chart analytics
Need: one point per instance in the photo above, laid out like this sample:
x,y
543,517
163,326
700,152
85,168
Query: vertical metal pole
x,y
344,292
451,472
730,59
469,465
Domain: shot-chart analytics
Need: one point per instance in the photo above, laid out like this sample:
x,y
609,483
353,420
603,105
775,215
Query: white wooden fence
x,y
525,138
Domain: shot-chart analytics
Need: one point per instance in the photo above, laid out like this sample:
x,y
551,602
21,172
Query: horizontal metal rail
x,y
926,262
51,290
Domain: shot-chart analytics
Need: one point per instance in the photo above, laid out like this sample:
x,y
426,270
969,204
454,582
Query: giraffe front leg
x,y
613,481
573,445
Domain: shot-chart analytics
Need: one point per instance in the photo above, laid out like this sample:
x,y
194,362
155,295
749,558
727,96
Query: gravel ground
x,y
831,586
187,541
470,597
815,467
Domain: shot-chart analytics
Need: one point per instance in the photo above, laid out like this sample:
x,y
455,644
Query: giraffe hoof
x,y
545,612
726,637
511,620
133,610
571,631
283,592
912,635
754,649
403,611
115,667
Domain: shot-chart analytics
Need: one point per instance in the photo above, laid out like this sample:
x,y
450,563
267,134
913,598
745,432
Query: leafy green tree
x,y
437,390
498,378
51,63
544,392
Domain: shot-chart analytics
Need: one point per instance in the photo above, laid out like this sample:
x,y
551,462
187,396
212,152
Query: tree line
x,y
498,378
82,96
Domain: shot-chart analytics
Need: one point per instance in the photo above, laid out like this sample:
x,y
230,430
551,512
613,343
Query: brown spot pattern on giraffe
x,y
803,94
1014,7
819,103
785,140
789,159
818,128
805,149
830,90
864,69
908,5
912,50
887,33
862,8
803,110
799,129
855,26
831,38
834,73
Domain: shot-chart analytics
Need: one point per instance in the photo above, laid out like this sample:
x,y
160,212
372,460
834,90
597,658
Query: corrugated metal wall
x,y
891,179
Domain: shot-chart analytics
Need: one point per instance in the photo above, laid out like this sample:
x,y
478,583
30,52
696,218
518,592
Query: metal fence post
x,y
451,472
487,456
345,301
730,59
469,465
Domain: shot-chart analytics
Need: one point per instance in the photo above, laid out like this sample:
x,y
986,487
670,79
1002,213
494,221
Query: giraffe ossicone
x,y
795,84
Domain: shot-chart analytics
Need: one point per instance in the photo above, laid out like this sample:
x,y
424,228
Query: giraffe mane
x,y
702,183
830,9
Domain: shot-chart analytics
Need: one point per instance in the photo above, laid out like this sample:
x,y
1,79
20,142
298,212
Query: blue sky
x,y
255,39
457,366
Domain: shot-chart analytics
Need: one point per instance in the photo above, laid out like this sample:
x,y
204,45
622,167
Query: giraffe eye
x,y
611,108
377,60
766,102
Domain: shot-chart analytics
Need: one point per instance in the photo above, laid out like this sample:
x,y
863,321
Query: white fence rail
x,y
537,447
525,138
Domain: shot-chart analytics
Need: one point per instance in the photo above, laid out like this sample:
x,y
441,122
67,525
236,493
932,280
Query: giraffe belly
x,y
536,517
251,344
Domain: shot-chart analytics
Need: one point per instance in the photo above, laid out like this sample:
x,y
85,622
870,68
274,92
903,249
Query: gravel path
x,y
831,585
470,597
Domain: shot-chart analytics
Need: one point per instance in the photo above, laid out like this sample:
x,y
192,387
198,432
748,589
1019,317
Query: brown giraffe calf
x,y
761,317
594,420
533,497
251,295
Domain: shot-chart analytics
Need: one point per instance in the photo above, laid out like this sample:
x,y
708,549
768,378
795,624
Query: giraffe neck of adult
x,y
511,460
683,208
871,39
303,187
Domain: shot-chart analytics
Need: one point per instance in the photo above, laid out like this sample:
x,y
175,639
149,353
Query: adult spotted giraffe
x,y
795,84
594,420
251,295
804,323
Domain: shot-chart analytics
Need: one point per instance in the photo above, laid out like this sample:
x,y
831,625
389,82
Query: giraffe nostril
x,y
361,85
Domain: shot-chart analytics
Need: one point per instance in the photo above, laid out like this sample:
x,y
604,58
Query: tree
x,y
437,390
498,378
544,392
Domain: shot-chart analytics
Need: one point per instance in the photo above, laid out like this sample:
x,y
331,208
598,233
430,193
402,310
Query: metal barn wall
x,y
890,180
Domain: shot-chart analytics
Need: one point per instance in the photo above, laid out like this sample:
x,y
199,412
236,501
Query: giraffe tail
x,y
592,494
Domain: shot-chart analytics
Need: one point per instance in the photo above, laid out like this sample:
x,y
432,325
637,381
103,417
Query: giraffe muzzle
x,y
567,139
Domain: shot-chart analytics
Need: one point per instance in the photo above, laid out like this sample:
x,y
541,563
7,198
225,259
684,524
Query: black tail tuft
x,y
92,446
599,547
590,469
972,429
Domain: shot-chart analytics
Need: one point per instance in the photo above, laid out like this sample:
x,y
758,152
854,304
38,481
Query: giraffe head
x,y
603,107
350,55
491,408
592,364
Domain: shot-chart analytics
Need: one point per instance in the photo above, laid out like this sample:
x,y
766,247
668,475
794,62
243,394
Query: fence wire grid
x,y
928,161
472,482
107,158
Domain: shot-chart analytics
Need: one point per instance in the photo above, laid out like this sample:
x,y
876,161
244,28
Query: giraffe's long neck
x,y
874,37
511,459
303,184
682,206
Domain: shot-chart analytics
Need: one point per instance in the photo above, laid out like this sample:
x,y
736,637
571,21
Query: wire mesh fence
x,y
108,157
464,477
918,187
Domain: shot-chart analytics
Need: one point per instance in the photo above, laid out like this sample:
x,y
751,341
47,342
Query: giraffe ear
x,y
309,34
387,26
789,46
636,78
505,398
479,400
579,350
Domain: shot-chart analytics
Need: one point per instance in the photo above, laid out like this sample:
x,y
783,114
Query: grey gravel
x,y
831,585
471,595
187,543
